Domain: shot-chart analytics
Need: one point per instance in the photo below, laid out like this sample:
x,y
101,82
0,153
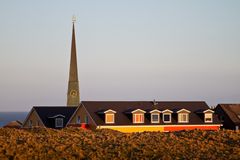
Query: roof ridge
x,y
54,106
229,104
139,101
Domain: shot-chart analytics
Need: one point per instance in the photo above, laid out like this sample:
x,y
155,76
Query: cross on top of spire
x,y
73,19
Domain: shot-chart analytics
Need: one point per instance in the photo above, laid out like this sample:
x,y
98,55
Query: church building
x,y
124,116
59,116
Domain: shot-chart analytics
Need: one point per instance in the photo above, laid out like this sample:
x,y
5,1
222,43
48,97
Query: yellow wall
x,y
136,128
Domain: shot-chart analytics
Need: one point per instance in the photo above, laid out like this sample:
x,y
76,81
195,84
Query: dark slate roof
x,y
123,108
233,111
45,114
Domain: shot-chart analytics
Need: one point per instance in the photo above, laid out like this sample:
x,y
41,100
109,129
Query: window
x,y
183,117
78,120
38,123
167,117
109,118
221,118
86,119
138,118
59,122
30,123
208,117
155,117
236,128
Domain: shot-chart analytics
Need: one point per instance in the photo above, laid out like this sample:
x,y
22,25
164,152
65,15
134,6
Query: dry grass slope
x,y
76,143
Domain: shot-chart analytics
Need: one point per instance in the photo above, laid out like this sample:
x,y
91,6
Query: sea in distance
x,y
6,117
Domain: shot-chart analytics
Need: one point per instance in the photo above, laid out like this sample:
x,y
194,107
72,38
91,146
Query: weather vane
x,y
73,19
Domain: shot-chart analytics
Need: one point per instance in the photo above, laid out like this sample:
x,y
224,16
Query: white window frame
x,y
134,117
138,110
110,110
58,120
183,111
110,114
208,117
182,121
78,120
170,117
153,114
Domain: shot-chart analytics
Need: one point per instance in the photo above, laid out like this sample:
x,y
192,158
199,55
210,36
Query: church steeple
x,y
73,96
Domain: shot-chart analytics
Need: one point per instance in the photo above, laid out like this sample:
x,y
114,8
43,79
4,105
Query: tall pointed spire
x,y
73,96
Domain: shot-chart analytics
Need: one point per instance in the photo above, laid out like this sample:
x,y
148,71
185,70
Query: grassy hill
x,y
75,143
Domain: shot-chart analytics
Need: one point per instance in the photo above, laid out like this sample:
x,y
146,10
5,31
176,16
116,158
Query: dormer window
x,y
167,116
183,116
110,116
138,116
208,116
59,122
58,119
155,116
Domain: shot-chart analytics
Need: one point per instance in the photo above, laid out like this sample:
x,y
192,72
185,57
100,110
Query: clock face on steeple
x,y
73,93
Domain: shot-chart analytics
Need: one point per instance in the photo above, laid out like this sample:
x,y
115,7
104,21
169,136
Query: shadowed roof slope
x,y
233,111
45,113
123,110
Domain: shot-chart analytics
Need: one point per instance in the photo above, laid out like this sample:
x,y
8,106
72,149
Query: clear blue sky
x,y
127,50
